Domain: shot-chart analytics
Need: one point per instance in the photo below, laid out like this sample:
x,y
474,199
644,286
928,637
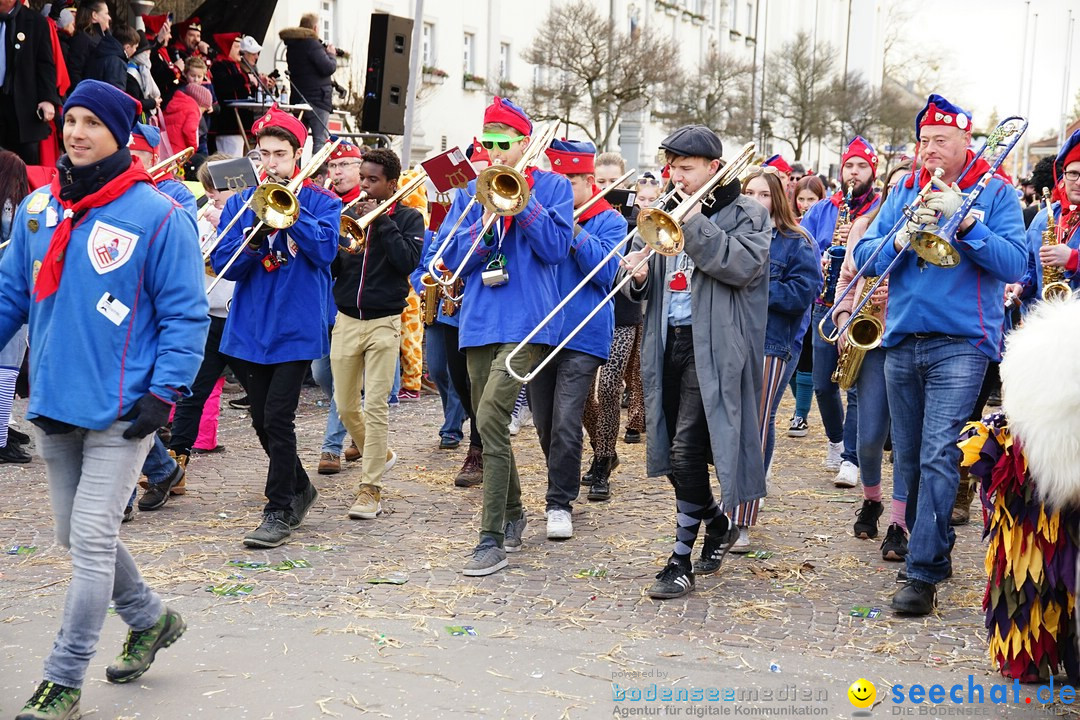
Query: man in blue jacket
x,y
858,169
106,270
510,285
557,394
146,146
944,326
1066,209
278,319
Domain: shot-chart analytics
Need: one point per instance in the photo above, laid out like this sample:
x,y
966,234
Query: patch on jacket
x,y
109,247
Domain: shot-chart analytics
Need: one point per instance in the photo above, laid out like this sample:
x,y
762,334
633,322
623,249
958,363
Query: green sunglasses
x,y
489,141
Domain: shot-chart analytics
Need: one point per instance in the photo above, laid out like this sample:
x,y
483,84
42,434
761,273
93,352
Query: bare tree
x,y
896,122
717,95
591,73
853,107
796,96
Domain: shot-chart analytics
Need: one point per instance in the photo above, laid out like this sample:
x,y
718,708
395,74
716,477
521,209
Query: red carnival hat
x,y
154,23
778,162
507,113
861,148
939,111
276,117
572,157
346,150
225,41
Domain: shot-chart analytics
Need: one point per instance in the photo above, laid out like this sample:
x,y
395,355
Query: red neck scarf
x,y
52,267
599,207
351,195
970,177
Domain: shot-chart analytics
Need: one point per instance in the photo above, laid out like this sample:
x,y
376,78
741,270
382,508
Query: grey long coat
x,y
729,299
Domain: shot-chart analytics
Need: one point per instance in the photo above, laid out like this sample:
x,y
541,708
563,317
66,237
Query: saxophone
x,y
429,300
837,249
864,335
452,296
1053,278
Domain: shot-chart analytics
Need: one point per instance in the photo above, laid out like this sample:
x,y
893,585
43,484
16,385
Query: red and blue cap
x,y
276,117
778,162
939,111
507,113
572,157
346,150
1070,153
861,148
145,137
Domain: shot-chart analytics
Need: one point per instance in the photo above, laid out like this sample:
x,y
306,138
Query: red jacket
x,y
182,117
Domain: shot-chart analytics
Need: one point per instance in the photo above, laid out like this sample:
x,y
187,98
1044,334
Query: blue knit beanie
x,y
113,106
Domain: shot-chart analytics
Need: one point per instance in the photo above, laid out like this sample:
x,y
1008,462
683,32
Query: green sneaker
x,y
52,702
142,645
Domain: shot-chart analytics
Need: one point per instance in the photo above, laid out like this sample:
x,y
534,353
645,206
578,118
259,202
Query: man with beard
x,y
858,168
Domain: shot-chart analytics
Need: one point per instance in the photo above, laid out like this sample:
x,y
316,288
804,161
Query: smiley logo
x,y
862,693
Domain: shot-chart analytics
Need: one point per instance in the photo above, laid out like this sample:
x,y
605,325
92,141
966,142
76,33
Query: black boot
x,y
601,486
590,475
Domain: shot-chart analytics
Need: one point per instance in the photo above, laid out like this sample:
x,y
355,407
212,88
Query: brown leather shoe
x,y
329,464
352,453
472,471
182,460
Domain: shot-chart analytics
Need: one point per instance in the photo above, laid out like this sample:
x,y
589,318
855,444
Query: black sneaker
x,y
157,494
19,438
129,514
915,598
142,645
894,546
301,504
675,580
273,531
798,427
51,702
866,519
632,437
901,575
242,403
714,548
14,453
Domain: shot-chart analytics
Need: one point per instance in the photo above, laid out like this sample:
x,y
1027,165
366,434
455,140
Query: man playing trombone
x,y
277,322
944,324
370,288
702,353
557,394
510,286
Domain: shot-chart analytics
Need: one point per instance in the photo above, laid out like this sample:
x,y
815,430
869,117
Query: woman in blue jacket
x,y
794,277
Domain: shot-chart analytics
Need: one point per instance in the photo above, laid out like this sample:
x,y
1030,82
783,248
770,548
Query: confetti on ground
x,y
599,572
260,565
760,554
460,630
322,548
394,578
22,550
226,589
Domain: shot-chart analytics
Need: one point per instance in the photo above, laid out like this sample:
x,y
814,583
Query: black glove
x,y
257,238
150,413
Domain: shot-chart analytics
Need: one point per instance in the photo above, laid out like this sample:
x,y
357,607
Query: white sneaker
x,y
848,477
742,545
559,525
515,425
832,457
525,418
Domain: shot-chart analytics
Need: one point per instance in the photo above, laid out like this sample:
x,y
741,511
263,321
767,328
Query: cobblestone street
x,y
545,638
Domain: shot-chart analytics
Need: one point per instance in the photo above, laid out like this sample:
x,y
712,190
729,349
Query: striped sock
x,y
8,377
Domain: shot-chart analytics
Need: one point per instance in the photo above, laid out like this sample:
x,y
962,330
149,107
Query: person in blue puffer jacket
x,y
278,319
510,285
106,270
558,392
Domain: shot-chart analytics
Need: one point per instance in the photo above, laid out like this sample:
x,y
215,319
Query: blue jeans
x,y
334,436
91,474
158,464
874,422
837,427
933,383
439,372
393,399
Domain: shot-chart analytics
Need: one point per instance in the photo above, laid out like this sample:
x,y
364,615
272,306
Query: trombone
x,y
356,229
503,191
934,244
159,171
660,230
274,204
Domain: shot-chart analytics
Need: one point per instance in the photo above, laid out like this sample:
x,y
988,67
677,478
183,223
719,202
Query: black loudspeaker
x,y
387,83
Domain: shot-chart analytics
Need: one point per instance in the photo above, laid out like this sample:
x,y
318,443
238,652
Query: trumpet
x,y
935,244
661,232
274,204
161,170
1053,279
502,191
356,230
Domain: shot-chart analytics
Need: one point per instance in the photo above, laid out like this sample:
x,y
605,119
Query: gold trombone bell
x,y
502,190
275,205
